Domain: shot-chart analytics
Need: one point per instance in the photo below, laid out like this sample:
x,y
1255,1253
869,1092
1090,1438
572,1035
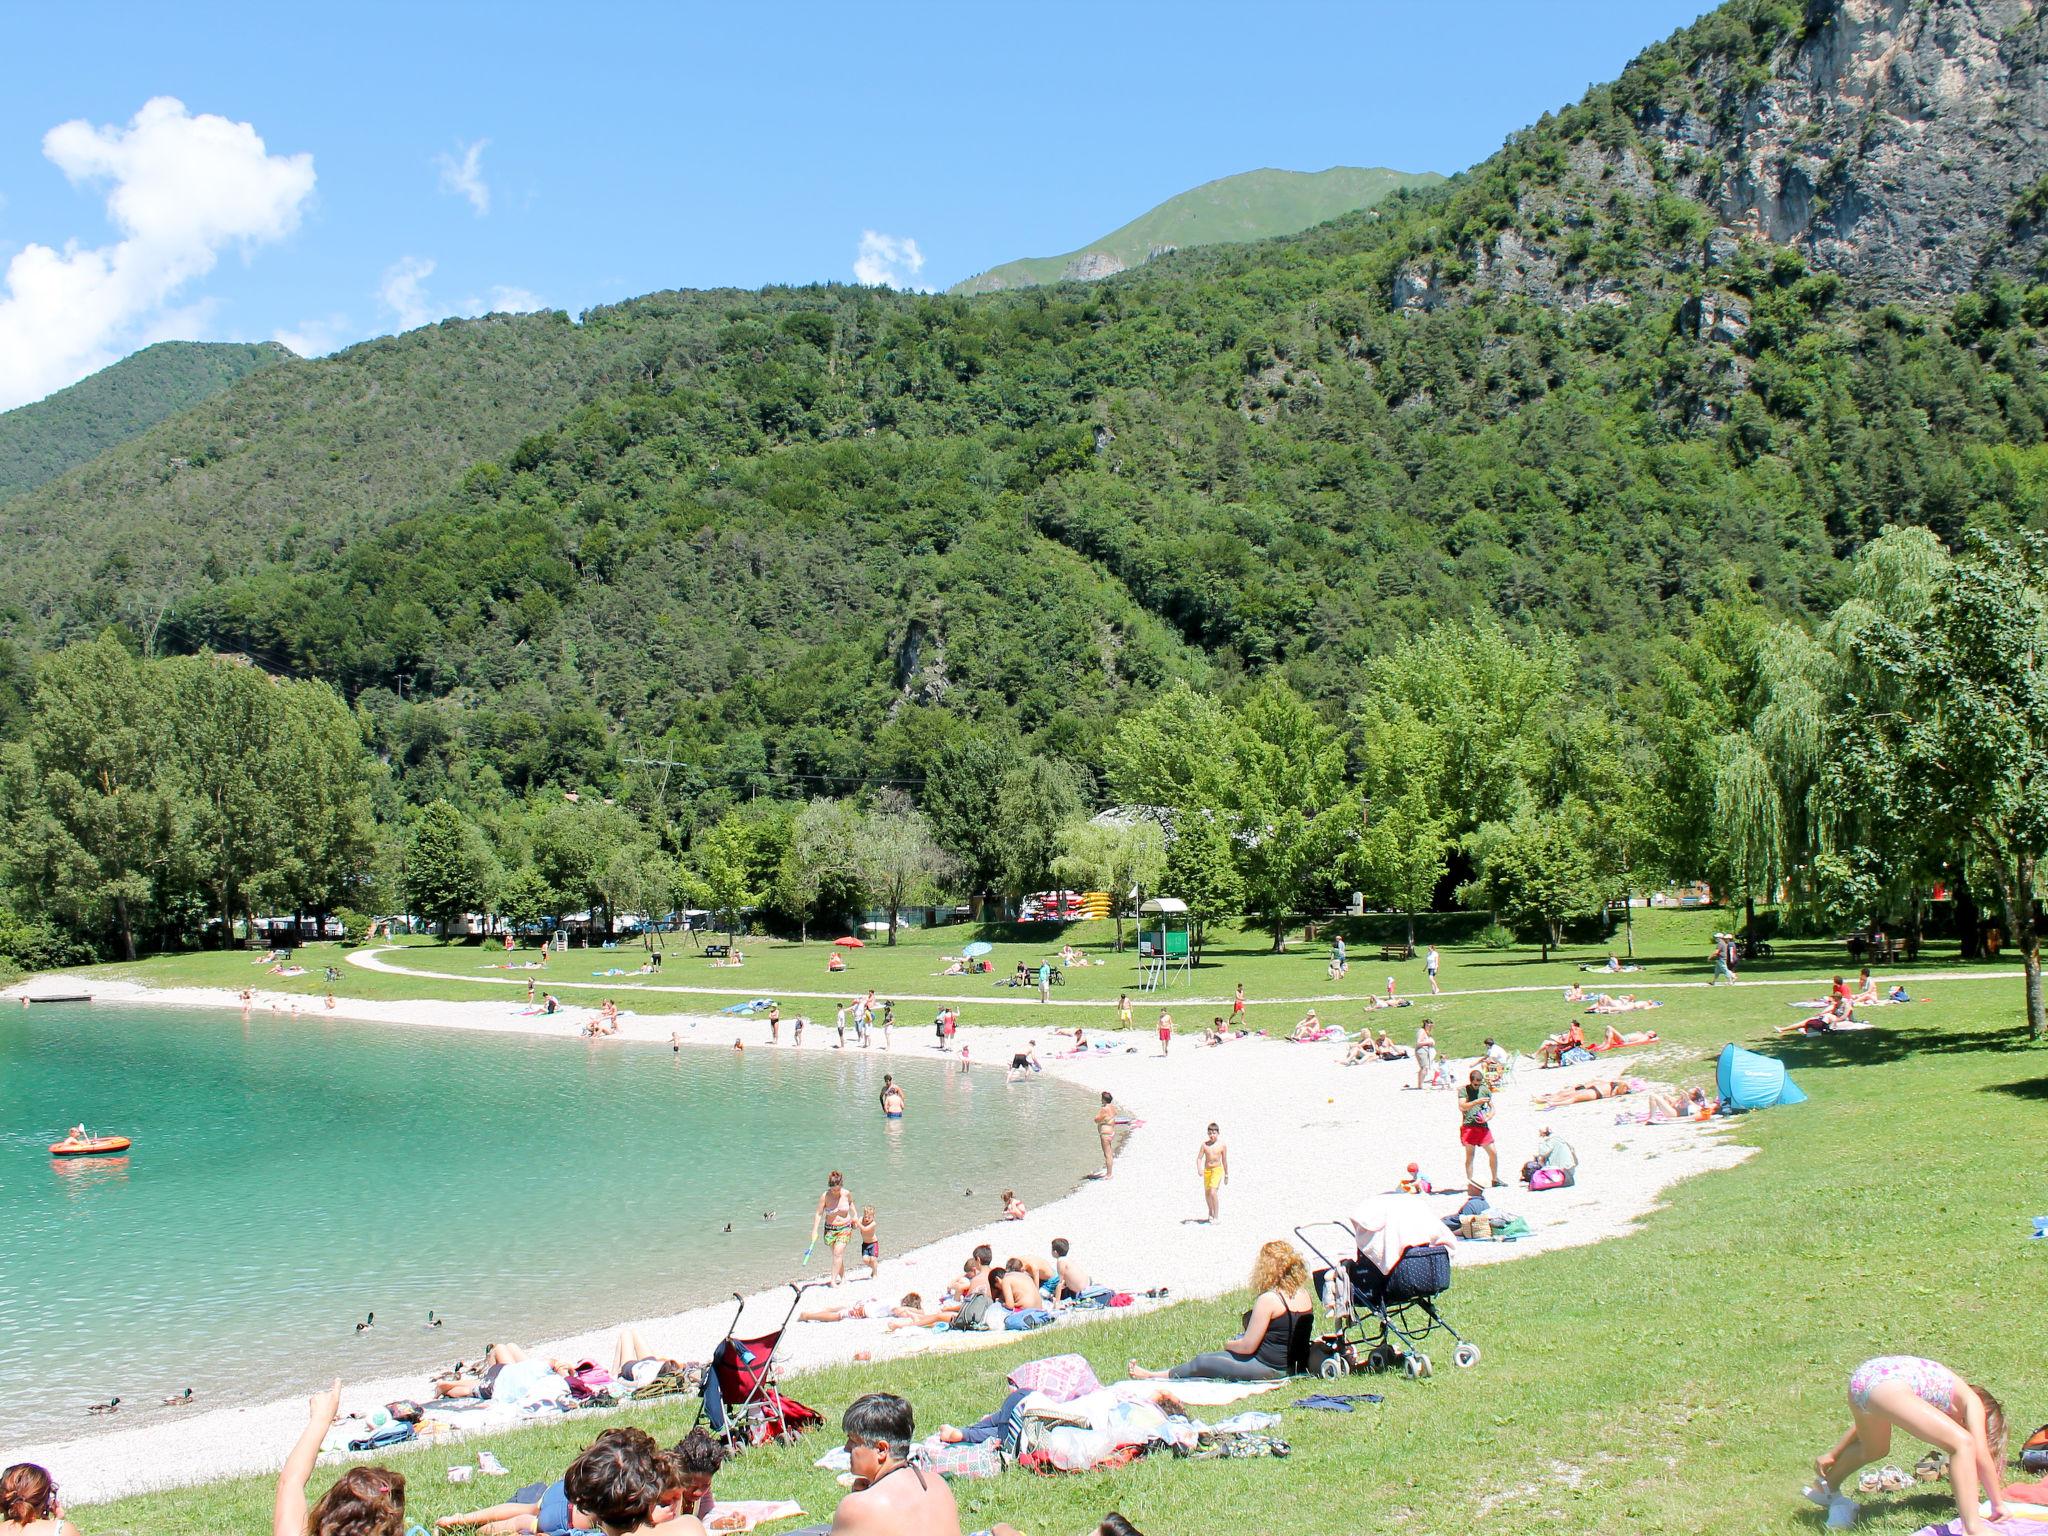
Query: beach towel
x,y
1387,1226
1197,1394
2011,1525
1624,1045
1577,1056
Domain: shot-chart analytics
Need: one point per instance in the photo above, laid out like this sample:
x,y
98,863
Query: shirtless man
x,y
1105,1127
890,1496
1212,1163
892,1098
1073,1278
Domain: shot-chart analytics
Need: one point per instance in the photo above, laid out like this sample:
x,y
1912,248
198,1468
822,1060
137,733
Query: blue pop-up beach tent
x,y
1750,1081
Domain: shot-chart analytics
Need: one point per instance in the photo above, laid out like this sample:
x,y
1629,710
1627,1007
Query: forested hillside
x,y
39,442
813,540
1252,205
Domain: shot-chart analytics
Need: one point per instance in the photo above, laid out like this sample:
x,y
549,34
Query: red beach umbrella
x,y
849,942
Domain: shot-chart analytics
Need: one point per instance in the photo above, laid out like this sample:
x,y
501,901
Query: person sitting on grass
x,y
890,1496
364,1501
1929,1402
1310,1029
629,1486
1839,1011
1274,1343
1551,1052
697,1457
28,1503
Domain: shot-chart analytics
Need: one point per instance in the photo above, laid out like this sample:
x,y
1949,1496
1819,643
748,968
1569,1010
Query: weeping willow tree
x,y
1749,821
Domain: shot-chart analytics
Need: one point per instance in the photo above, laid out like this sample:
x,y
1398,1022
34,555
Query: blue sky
x,y
422,160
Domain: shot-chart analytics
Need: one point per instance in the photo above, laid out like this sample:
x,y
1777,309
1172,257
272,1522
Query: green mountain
x,y
1685,345
1252,206
39,442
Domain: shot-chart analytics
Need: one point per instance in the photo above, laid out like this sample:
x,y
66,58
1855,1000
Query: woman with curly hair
x,y
1276,1329
364,1501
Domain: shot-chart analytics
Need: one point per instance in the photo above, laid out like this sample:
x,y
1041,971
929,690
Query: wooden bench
x,y
717,951
1397,951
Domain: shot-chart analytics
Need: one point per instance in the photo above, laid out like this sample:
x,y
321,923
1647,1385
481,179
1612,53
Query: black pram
x,y
1380,1321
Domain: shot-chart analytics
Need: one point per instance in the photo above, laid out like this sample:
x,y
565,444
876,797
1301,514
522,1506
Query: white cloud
x,y
887,261
316,337
184,189
403,291
465,176
505,300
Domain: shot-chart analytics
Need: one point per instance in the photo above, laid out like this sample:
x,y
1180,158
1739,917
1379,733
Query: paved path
x,y
371,960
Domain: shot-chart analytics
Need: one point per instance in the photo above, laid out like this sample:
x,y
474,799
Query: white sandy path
x,y
1308,1137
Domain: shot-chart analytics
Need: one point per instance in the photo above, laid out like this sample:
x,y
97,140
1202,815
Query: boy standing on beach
x,y
1165,1031
1212,1162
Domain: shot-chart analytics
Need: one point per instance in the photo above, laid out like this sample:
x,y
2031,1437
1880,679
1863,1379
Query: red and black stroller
x,y
743,1402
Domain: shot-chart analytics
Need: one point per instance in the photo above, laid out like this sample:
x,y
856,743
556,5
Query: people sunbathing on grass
x,y
1866,992
1588,1093
1616,1040
1575,993
1626,1002
1276,1329
1551,1052
1840,1010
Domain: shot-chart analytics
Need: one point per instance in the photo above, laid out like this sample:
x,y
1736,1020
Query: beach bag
x,y
1577,1056
973,1312
1508,1227
2034,1454
588,1379
405,1411
1548,1178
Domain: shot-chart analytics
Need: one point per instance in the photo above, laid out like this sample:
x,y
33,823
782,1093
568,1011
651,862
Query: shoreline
x,y
1294,1163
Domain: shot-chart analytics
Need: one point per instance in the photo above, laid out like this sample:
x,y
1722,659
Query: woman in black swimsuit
x,y
1276,1330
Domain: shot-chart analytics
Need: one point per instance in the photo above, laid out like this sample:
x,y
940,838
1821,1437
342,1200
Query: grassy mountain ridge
x,y
806,537
39,442
1253,205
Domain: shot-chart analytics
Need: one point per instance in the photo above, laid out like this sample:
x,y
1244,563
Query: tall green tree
x,y
1967,745
1037,799
900,858
444,874
1201,870
818,874
100,822
1293,815
960,792
1404,837
1540,872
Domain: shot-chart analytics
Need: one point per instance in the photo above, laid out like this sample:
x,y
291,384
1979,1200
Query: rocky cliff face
x,y
1901,145
1895,142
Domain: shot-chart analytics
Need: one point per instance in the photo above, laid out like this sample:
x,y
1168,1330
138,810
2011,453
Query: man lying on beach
x,y
507,1372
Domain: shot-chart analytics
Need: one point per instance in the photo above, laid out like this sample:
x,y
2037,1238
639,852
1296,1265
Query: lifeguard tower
x,y
1163,949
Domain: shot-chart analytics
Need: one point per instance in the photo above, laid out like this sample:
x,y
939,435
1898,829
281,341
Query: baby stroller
x,y
743,1402
1380,1321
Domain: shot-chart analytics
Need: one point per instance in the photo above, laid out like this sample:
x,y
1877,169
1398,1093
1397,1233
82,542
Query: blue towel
x,y
1337,1402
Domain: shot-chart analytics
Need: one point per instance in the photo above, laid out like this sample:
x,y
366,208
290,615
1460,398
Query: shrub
x,y
1495,936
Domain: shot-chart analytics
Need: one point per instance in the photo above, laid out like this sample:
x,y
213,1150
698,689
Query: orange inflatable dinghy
x,y
102,1144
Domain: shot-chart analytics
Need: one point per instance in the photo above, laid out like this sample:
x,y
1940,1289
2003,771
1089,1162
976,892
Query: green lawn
x,y
1675,1381
1671,947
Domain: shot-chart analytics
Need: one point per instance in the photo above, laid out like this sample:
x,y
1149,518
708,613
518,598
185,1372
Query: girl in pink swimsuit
x,y
1929,1402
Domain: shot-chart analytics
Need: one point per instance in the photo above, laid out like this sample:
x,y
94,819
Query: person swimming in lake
x,y
836,1214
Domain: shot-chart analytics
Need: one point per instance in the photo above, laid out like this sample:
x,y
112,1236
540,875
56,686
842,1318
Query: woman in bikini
x,y
1588,1093
838,1216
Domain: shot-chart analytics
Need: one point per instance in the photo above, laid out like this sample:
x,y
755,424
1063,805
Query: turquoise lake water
x,y
289,1177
